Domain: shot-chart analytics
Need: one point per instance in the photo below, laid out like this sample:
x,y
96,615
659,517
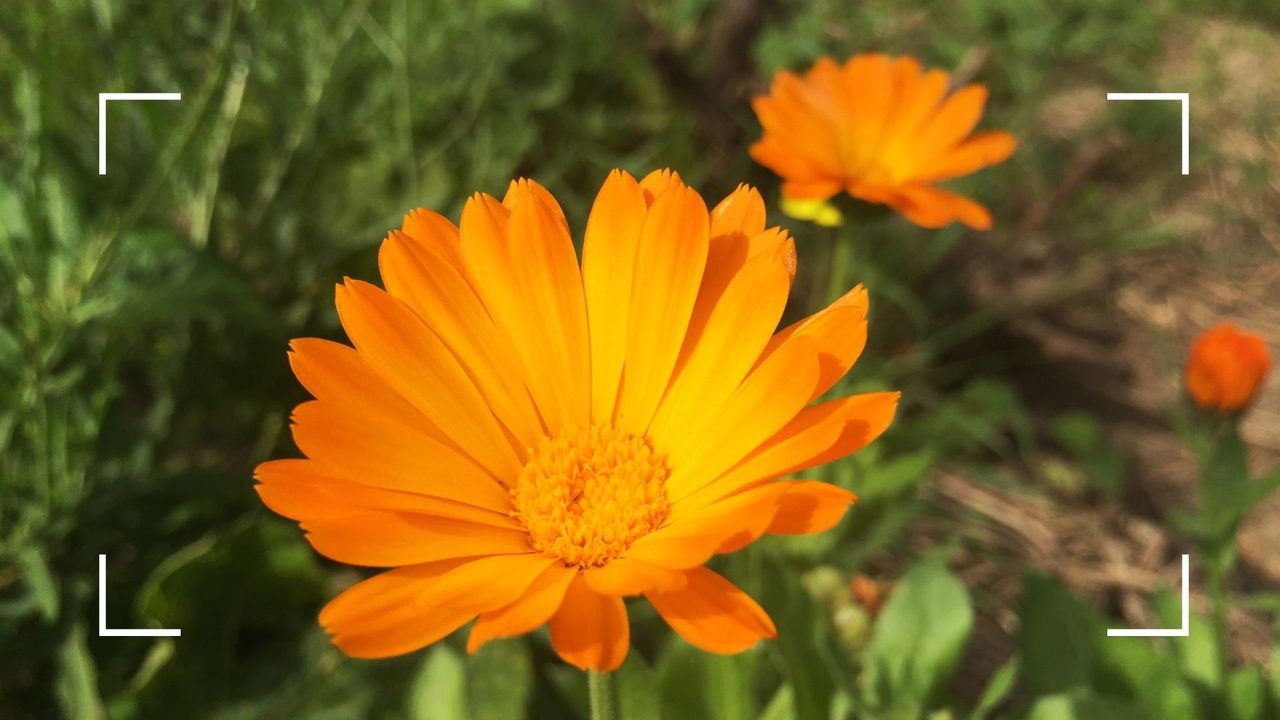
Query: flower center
x,y
588,493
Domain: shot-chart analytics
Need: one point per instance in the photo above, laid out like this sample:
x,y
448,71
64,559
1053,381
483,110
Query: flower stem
x,y
601,690
841,258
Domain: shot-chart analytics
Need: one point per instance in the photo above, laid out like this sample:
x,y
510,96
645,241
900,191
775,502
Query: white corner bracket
x,y
1183,631
103,630
103,98
1185,98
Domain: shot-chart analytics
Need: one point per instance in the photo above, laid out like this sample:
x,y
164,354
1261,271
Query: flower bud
x,y
1225,368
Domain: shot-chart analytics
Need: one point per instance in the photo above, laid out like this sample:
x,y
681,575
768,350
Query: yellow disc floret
x,y
587,493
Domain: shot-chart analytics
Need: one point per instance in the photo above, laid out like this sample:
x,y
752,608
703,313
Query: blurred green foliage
x,y
144,316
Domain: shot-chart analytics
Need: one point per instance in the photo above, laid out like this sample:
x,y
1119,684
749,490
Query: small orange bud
x,y
1226,367
869,592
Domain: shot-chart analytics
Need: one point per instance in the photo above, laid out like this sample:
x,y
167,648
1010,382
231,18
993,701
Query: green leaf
x,y
919,636
41,584
499,680
638,695
1055,638
806,643
77,684
782,706
1224,485
439,688
729,684
1247,694
1081,706
1198,654
893,477
997,689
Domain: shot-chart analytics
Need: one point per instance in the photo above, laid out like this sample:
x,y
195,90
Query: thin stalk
x,y
601,690
841,257
1218,598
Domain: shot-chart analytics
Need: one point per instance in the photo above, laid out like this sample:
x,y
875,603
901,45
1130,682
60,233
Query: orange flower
x,y
1226,367
881,130
527,440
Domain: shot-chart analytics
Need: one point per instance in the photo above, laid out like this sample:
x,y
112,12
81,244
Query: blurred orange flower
x,y
1226,368
869,592
527,439
882,130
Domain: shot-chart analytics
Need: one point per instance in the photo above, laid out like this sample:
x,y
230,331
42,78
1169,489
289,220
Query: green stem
x,y
841,258
601,690
1218,597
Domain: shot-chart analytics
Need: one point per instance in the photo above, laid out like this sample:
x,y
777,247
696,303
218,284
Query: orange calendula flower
x,y
881,129
1226,368
527,439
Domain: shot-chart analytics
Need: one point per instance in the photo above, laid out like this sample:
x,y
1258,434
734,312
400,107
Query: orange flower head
x,y
522,438
881,129
1226,367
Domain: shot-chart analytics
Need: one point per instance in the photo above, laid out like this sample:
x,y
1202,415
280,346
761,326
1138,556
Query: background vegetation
x,y
1039,484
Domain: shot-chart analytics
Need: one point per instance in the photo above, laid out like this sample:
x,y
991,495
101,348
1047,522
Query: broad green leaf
x,y
499,680
1055,638
1081,706
997,689
919,636
77,683
439,688
1198,654
1247,694
1163,690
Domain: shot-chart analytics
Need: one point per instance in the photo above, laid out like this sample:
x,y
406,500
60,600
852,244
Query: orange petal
x,y
310,490
766,401
608,261
916,100
435,289
523,187
713,613
809,506
658,182
669,266
741,213
336,373
542,256
819,434
867,82
590,631
956,118
627,576
725,526
720,349
979,151
435,231
387,539
840,332
405,609
531,610
815,189
773,152
404,351
932,207
374,450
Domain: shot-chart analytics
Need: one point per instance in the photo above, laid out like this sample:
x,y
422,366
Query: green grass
x,y
144,317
